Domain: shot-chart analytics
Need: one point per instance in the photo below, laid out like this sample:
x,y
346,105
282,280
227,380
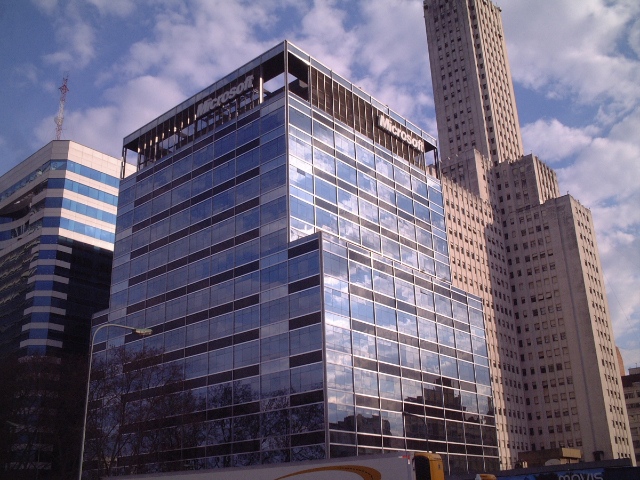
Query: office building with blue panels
x,y
57,230
284,242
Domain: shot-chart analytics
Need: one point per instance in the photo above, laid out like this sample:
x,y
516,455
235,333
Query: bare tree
x,y
40,416
136,408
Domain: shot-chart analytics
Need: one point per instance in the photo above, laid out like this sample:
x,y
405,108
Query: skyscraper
x,y
472,87
530,253
285,243
57,228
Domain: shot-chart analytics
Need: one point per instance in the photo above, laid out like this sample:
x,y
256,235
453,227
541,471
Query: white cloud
x,y
552,141
76,38
26,74
568,48
606,173
120,8
47,6
194,45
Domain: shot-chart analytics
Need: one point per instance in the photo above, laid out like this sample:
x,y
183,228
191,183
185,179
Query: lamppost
x,y
140,331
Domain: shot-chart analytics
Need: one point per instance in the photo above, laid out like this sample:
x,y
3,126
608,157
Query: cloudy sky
x,y
575,63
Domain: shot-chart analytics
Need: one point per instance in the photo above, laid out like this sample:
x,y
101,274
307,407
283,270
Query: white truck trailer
x,y
390,466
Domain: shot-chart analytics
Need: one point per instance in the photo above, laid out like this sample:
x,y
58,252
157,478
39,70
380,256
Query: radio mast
x,y
63,98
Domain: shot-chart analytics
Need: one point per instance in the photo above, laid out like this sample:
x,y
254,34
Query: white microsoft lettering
x,y
385,123
213,103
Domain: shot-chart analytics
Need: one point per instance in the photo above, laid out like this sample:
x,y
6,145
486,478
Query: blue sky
x,y
575,64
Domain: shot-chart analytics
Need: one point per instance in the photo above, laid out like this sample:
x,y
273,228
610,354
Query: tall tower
x,y
528,252
63,98
472,86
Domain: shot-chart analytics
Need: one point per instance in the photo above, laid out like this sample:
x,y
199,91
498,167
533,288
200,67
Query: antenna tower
x,y
63,98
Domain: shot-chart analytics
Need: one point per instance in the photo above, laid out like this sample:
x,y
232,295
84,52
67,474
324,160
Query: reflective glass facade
x,y
289,252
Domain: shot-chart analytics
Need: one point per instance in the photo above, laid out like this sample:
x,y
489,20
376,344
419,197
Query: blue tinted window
x,y
366,382
247,319
276,346
307,301
272,149
224,145
273,210
348,201
300,120
427,330
247,252
302,210
367,184
274,311
272,120
360,275
345,146
347,173
308,377
275,384
223,230
361,309
273,178
339,377
247,161
273,276
388,351
364,345
202,156
325,190
390,388
82,190
224,172
326,221
305,339
365,156
323,132
247,190
410,356
221,360
247,133
385,316
182,167
448,366
324,161
430,362
221,326
300,149
247,220
223,201
247,353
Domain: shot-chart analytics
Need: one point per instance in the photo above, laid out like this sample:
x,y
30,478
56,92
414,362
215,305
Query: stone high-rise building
x,y
530,253
472,86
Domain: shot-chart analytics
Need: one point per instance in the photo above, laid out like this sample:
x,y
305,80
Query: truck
x,y
389,466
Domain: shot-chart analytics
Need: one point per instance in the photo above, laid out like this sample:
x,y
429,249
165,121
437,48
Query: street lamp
x,y
140,331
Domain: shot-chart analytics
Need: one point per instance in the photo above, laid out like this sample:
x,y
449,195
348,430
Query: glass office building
x,y
285,243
